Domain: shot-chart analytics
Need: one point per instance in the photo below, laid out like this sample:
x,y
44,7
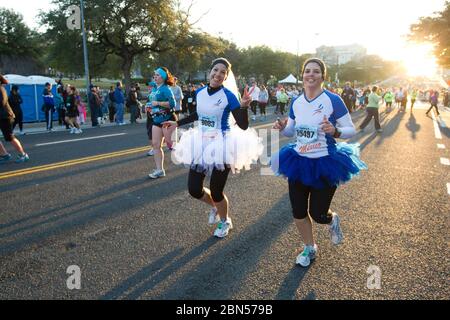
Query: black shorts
x,y
6,128
173,117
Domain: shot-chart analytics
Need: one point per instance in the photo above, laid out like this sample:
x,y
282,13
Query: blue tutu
x,y
332,170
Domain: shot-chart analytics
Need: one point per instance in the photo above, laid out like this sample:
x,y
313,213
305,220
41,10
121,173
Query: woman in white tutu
x,y
215,146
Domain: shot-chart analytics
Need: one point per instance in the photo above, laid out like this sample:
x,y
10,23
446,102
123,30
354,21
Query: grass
x,y
103,84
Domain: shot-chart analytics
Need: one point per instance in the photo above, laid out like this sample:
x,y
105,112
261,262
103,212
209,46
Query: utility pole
x,y
297,73
86,63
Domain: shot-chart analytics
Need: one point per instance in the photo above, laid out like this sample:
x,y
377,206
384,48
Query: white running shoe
x,y
78,131
309,253
72,130
157,174
213,217
151,153
335,229
223,228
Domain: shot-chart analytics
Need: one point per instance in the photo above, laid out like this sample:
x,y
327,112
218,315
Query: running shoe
x,y
213,217
157,174
223,228
22,158
5,158
335,229
309,253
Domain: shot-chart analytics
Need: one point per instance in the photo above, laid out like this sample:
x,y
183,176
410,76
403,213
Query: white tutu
x,y
205,150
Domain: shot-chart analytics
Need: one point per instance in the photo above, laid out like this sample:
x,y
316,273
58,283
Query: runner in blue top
x,y
315,165
162,109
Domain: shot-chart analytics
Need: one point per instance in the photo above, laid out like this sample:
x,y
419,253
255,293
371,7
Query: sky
x,y
300,25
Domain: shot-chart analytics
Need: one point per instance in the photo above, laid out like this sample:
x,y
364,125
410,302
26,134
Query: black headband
x,y
222,61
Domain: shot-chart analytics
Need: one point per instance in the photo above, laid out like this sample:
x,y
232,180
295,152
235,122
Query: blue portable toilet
x,y
31,89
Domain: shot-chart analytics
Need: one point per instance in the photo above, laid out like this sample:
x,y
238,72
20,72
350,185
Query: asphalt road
x,y
134,238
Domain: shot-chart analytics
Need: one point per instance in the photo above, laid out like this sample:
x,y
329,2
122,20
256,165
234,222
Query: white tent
x,y
289,79
42,80
17,79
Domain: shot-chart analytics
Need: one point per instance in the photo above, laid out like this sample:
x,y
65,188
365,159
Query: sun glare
x,y
419,61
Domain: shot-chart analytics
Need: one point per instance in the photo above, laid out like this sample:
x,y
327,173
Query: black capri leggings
x,y
319,202
217,184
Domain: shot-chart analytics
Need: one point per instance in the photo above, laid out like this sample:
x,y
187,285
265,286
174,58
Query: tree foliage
x,y
15,37
435,30
122,29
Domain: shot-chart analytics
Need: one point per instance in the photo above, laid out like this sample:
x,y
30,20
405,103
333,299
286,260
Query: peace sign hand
x,y
327,127
246,98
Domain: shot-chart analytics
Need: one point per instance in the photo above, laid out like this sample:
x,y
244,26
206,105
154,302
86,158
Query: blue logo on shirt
x,y
318,110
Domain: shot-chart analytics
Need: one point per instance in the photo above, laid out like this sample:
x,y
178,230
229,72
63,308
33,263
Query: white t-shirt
x,y
254,93
214,110
305,118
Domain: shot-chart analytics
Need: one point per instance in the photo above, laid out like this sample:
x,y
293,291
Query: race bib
x,y
190,100
306,134
208,123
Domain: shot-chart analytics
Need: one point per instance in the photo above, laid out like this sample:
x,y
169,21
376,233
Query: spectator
x,y
6,120
49,106
119,100
15,100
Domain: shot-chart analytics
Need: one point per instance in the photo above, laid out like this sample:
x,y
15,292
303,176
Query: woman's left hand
x,y
327,127
246,98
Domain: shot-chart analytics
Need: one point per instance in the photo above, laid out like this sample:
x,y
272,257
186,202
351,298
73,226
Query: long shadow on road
x,y
389,127
220,276
119,204
149,277
14,186
163,187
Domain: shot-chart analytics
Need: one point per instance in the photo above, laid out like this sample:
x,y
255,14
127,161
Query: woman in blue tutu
x,y
315,165
216,146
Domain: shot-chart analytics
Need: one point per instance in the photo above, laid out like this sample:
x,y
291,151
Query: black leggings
x,y
435,106
217,184
319,202
253,105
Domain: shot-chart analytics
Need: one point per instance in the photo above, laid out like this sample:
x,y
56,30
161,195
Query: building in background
x,y
339,55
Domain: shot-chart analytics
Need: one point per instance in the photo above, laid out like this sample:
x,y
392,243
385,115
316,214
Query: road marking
x,y
441,146
445,161
448,188
81,139
68,163
437,132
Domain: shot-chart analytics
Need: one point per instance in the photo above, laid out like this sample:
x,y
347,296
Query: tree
x,y
20,47
126,29
15,37
435,30
190,53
